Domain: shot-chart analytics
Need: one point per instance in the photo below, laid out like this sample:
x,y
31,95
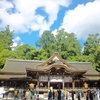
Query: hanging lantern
x,y
31,86
85,85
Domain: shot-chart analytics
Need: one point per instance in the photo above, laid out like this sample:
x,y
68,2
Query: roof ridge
x,y
25,60
78,62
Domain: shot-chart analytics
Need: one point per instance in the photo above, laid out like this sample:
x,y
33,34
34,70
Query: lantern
x,y
31,86
85,85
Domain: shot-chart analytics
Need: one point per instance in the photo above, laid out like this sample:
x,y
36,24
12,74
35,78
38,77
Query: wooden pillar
x,y
48,82
73,84
63,83
37,76
73,81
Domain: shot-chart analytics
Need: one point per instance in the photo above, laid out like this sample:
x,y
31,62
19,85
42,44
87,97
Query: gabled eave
x,y
52,57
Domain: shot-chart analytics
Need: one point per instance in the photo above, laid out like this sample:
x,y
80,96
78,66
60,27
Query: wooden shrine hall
x,y
55,73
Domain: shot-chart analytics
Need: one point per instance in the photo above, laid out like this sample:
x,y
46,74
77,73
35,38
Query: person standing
x,y
50,95
28,95
91,95
78,95
37,97
98,94
15,94
62,95
53,94
72,95
67,95
88,95
59,94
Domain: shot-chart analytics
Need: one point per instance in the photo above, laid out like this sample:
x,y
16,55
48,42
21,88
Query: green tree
x,y
96,61
92,49
41,54
67,44
46,42
4,55
6,37
25,52
91,44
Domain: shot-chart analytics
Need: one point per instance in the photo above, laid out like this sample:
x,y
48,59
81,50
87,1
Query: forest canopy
x,y
66,44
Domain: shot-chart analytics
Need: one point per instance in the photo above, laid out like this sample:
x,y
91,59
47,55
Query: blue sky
x,y
29,18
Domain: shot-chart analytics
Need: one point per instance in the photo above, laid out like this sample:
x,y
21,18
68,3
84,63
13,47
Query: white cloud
x,y
16,40
83,20
21,15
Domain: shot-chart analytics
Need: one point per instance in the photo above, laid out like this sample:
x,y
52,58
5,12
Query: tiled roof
x,y
17,66
86,66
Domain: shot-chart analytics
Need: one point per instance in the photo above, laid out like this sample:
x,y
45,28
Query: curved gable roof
x,y
55,59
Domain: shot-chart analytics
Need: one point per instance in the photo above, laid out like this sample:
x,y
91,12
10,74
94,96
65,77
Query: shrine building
x,y
55,73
